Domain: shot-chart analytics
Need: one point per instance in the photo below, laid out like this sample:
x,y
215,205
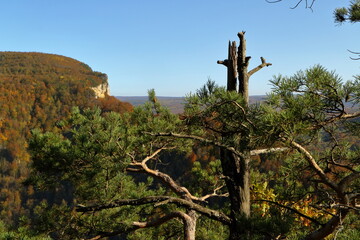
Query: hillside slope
x,y
36,91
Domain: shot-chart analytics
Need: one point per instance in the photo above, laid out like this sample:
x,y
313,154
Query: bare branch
x,y
346,206
328,227
263,64
214,194
161,220
298,4
268,150
144,161
313,164
165,178
358,53
225,62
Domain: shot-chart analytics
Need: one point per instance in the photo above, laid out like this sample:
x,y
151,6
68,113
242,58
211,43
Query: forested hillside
x,y
36,91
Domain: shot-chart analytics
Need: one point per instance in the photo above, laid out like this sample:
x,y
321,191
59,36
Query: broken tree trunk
x,y
231,64
236,169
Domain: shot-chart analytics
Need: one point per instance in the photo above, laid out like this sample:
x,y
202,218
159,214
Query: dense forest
x,y
36,91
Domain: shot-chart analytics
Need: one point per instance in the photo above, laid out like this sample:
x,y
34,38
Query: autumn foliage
x,y
36,91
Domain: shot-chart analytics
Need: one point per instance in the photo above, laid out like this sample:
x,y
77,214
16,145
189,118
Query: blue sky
x,y
173,45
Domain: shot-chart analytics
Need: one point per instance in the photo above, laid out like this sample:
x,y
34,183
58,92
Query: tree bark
x,y
242,66
231,68
235,168
237,178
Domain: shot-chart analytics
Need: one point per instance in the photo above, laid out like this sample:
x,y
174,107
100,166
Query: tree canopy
x,y
350,13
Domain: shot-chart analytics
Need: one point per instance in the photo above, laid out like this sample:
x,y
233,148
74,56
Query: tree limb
x,y
138,225
328,227
224,62
307,5
346,180
267,150
214,194
337,118
165,178
200,139
263,64
213,214
313,164
354,53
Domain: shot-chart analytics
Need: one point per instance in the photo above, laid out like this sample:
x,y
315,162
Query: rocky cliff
x,y
102,90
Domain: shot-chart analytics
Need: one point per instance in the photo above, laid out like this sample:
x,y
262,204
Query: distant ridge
x,y
175,104
38,90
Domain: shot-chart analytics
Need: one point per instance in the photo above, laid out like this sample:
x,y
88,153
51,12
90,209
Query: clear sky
x,y
173,45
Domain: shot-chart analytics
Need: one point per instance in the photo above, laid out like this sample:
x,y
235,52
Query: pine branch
x,y
200,139
313,164
307,3
137,225
213,214
337,118
292,210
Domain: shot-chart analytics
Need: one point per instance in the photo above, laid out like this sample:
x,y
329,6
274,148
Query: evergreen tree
x,y
350,14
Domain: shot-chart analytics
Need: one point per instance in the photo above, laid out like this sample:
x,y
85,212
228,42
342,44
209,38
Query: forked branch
x,y
263,64
308,4
137,166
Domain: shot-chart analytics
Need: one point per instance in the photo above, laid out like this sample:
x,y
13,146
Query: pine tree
x,y
304,127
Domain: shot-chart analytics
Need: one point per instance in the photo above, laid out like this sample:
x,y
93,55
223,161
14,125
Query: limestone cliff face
x,y
101,90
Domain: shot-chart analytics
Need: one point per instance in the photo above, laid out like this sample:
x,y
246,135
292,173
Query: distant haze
x,y
175,104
